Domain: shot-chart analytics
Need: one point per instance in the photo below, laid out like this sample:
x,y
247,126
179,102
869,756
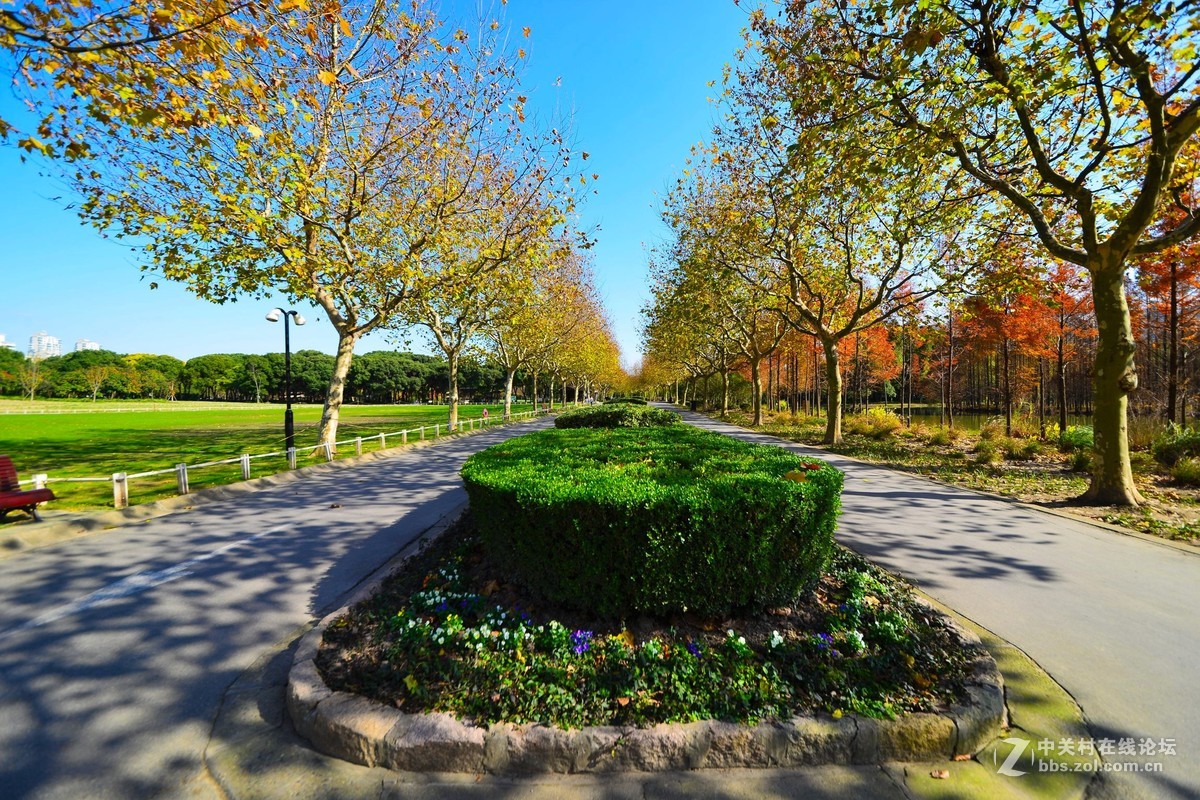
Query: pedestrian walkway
x,y
149,660
1111,617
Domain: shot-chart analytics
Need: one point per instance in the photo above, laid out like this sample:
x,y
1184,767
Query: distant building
x,y
43,345
86,344
6,344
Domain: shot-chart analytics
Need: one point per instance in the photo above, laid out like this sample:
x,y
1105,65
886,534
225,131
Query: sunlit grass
x,y
64,445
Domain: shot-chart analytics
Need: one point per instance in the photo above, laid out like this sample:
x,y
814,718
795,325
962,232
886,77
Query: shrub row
x,y
616,415
1175,443
654,520
637,401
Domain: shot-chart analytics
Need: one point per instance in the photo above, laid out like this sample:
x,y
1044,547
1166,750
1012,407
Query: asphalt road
x,y
1111,617
115,649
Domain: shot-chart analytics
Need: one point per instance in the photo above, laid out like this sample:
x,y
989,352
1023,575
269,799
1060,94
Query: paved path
x,y
115,649
1113,618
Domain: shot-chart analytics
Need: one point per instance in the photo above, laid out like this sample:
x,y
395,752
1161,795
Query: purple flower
x,y
694,649
581,641
824,640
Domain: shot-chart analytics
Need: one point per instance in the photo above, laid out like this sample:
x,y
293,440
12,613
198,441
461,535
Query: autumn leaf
x,y
525,31
326,77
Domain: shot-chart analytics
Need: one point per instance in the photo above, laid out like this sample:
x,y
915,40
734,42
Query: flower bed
x,y
655,520
449,634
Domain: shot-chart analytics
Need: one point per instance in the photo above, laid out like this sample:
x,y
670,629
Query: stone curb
x,y
365,732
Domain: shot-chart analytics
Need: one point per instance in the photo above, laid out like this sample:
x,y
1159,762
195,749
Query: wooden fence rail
x,y
120,480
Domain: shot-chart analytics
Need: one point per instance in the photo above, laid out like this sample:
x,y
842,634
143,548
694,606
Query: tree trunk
x,y
1041,397
452,392
1061,376
1115,376
337,389
508,390
550,403
724,393
950,377
756,383
1007,388
833,393
1173,345
535,394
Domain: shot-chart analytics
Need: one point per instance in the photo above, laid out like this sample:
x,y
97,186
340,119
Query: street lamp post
x,y
289,427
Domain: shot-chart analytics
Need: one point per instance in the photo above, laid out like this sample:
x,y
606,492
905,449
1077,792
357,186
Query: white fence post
x,y
120,490
328,451
422,431
291,454
383,441
437,430
39,480
181,478
245,466
403,437
358,445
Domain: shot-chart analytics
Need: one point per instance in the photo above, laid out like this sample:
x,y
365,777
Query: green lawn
x,y
99,443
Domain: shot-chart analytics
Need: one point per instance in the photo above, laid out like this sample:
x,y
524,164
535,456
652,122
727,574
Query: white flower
x,y
776,640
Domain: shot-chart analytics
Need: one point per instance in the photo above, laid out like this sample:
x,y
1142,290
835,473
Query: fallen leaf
x,y
491,588
940,774
622,701
963,757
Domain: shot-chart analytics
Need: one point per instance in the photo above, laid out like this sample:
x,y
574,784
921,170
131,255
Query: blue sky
x,y
633,81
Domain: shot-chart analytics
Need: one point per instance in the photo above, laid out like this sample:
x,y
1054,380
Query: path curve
x,y
117,648
1112,618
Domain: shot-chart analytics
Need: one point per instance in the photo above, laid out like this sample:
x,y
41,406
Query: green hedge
x,y
637,401
616,415
1175,443
654,520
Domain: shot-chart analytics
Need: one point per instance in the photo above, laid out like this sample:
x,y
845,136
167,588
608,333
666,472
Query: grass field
x,y
63,441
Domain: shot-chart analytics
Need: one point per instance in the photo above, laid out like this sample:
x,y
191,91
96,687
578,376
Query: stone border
x,y
366,732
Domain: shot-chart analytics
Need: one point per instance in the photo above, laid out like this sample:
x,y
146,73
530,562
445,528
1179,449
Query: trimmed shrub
x,y
1143,431
1020,449
992,429
878,423
637,401
654,520
1187,471
943,436
1076,437
987,452
616,415
1175,443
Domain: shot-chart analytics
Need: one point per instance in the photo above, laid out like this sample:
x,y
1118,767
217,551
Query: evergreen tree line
x,y
376,377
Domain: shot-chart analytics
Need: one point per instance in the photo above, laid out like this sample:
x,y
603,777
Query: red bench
x,y
13,497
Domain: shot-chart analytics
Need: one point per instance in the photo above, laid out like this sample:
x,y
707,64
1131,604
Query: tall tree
x,y
1076,115
373,128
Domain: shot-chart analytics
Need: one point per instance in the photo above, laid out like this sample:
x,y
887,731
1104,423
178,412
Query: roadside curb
x,y
29,535
365,732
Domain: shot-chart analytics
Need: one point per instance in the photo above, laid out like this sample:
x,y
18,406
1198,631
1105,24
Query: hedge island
x,y
654,520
